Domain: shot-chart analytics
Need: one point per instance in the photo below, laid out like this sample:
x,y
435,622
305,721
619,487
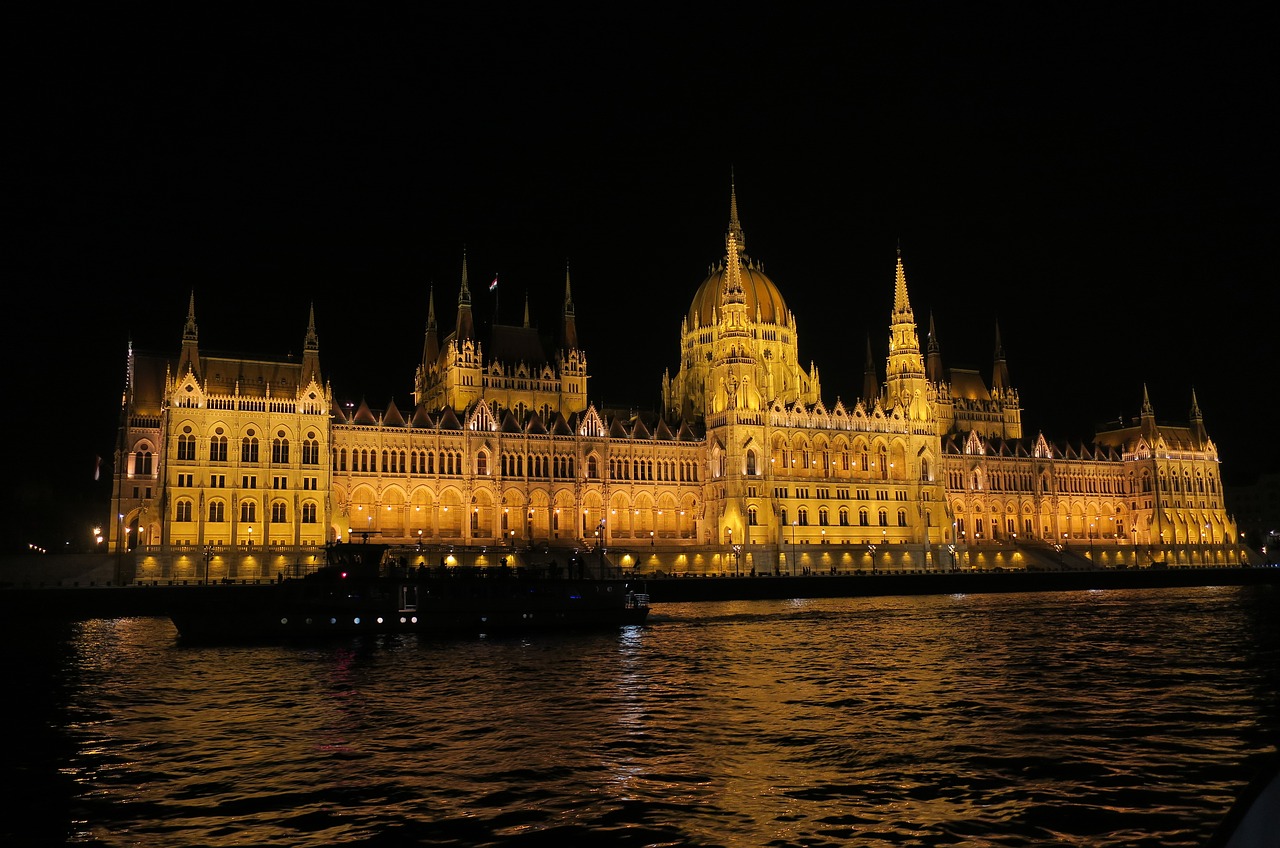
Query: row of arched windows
x,y
217,511
249,453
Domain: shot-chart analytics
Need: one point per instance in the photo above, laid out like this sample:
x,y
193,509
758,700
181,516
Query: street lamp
x,y
1090,542
208,555
737,550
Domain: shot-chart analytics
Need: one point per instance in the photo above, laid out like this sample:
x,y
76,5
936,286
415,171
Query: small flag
x,y
97,467
494,284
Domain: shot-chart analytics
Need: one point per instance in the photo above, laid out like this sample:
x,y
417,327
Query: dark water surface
x,y
1109,718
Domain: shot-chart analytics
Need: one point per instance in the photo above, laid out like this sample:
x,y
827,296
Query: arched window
x,y
844,516
280,451
279,514
864,519
183,511
309,512
902,518
186,447
802,515
751,462
217,511
218,449
248,511
884,518
753,517
822,517
482,463
249,449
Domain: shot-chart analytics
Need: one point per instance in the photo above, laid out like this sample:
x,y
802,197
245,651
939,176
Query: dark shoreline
x,y
90,602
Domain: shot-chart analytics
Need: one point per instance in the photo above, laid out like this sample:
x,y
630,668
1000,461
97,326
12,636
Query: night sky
x,y
1098,180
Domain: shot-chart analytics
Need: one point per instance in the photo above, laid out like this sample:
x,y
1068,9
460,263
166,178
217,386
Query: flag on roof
x,y
494,284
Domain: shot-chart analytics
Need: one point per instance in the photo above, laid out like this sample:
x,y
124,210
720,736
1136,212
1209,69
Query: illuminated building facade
x,y
243,468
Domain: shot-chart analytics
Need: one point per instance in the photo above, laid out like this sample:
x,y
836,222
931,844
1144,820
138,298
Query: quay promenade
x,y
95,595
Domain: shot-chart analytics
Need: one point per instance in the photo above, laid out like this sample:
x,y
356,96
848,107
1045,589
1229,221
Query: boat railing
x,y
637,600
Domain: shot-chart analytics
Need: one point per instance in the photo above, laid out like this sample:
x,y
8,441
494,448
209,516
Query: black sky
x,y
1098,180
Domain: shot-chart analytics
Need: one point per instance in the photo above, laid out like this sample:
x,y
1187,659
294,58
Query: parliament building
x,y
244,467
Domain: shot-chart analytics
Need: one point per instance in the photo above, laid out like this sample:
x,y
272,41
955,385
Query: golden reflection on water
x,y
1066,719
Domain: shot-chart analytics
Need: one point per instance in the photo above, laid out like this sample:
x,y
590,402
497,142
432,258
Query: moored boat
x,y
359,591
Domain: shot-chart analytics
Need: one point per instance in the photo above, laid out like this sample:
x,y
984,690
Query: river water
x,y
1106,718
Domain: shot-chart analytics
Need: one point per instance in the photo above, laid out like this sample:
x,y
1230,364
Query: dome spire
x,y
733,275
735,227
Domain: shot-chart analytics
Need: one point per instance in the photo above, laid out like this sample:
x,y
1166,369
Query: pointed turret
x,y
466,326
1000,371
933,364
526,309
311,352
189,361
569,327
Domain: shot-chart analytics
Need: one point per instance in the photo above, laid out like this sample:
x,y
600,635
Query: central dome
x,y
760,291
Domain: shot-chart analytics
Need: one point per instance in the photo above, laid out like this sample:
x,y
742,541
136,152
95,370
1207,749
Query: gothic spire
x,y
933,365
465,328
570,326
431,345
189,361
901,303
1000,371
870,386
311,351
